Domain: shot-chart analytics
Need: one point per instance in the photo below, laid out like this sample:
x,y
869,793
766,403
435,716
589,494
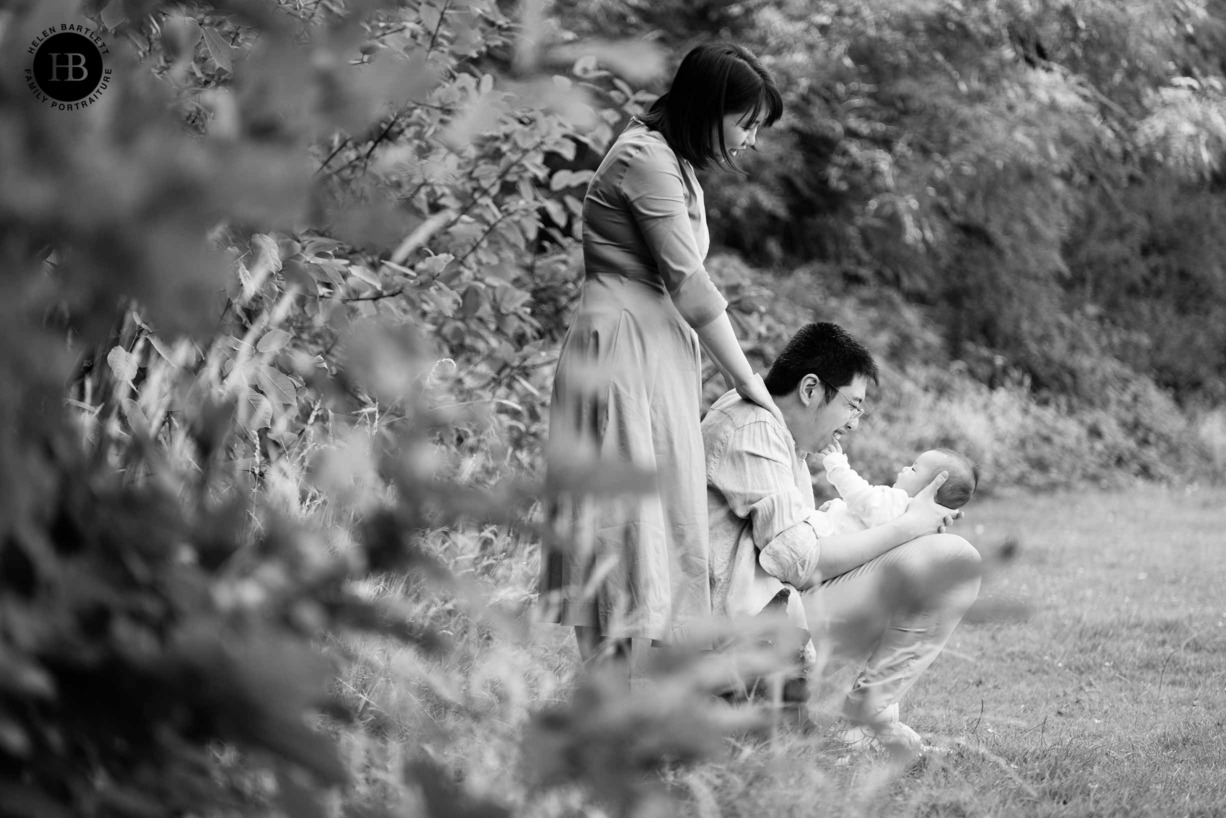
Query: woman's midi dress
x,y
627,392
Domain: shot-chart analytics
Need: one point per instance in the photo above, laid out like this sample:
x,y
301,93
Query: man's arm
x,y
757,477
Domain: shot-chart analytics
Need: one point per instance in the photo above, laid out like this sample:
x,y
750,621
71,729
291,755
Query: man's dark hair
x,y
713,79
962,481
825,350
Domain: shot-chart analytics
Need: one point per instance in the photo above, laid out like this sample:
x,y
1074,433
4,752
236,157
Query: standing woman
x,y
628,383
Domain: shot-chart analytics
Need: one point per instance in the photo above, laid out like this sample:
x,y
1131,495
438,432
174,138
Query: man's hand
x,y
924,515
832,447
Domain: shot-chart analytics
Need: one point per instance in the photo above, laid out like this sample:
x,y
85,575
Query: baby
x,y
864,505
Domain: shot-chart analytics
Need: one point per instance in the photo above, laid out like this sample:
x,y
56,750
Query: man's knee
x,y
952,550
942,562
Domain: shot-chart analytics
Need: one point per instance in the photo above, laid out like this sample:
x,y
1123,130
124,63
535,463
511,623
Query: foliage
x,y
1009,165
259,183
979,404
302,272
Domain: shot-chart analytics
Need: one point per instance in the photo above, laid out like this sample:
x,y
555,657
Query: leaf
x,y
218,48
585,66
434,265
363,273
113,15
270,253
330,271
430,17
638,60
471,302
24,678
274,341
569,178
258,414
511,299
124,364
556,211
442,300
277,386
316,246
14,740
162,348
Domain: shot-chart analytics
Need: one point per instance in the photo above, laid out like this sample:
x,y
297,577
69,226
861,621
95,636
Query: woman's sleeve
x,y
655,195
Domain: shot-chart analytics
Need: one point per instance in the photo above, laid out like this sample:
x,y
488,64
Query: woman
x,y
628,382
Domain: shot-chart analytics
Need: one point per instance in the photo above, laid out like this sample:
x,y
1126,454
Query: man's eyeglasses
x,y
857,409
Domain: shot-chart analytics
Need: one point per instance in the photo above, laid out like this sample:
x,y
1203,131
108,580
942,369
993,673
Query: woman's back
x,y
644,214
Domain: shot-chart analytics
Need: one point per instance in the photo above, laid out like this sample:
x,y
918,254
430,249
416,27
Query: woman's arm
x,y
719,340
655,195
729,381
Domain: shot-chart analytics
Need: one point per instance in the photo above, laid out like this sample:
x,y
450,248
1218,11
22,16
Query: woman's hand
x,y
754,390
924,515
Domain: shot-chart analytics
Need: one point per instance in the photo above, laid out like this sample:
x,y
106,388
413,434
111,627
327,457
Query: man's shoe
x,y
885,735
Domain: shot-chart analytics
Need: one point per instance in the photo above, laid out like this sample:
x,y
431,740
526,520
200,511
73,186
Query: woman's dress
x,y
626,393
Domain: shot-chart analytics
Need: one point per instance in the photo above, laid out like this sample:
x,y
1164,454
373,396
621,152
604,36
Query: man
x,y
889,596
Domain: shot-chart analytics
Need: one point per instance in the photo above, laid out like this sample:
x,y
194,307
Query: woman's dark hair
x,y
825,350
713,80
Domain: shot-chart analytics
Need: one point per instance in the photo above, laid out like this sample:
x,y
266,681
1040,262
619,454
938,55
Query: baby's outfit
x,y
863,505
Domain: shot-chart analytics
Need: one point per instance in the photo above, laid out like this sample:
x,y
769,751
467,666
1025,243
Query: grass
x,y
1106,698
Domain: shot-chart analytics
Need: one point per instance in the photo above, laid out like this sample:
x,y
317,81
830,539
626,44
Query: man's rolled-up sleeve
x,y
758,481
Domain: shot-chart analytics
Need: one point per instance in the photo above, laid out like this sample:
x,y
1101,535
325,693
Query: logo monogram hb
x,y
74,62
67,67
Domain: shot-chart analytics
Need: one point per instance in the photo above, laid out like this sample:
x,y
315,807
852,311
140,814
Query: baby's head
x,y
957,490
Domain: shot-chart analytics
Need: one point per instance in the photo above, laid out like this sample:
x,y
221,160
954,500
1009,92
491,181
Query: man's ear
x,y
809,390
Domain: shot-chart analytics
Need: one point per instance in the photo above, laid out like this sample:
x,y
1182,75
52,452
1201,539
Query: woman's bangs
x,y
773,102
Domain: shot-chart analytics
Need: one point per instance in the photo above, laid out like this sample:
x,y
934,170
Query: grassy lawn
x,y
1105,697
1108,698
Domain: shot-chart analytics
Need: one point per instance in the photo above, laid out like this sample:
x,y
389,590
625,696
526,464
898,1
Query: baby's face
x,y
920,473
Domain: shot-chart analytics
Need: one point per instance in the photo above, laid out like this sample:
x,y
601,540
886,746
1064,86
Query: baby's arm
x,y
841,475
873,505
